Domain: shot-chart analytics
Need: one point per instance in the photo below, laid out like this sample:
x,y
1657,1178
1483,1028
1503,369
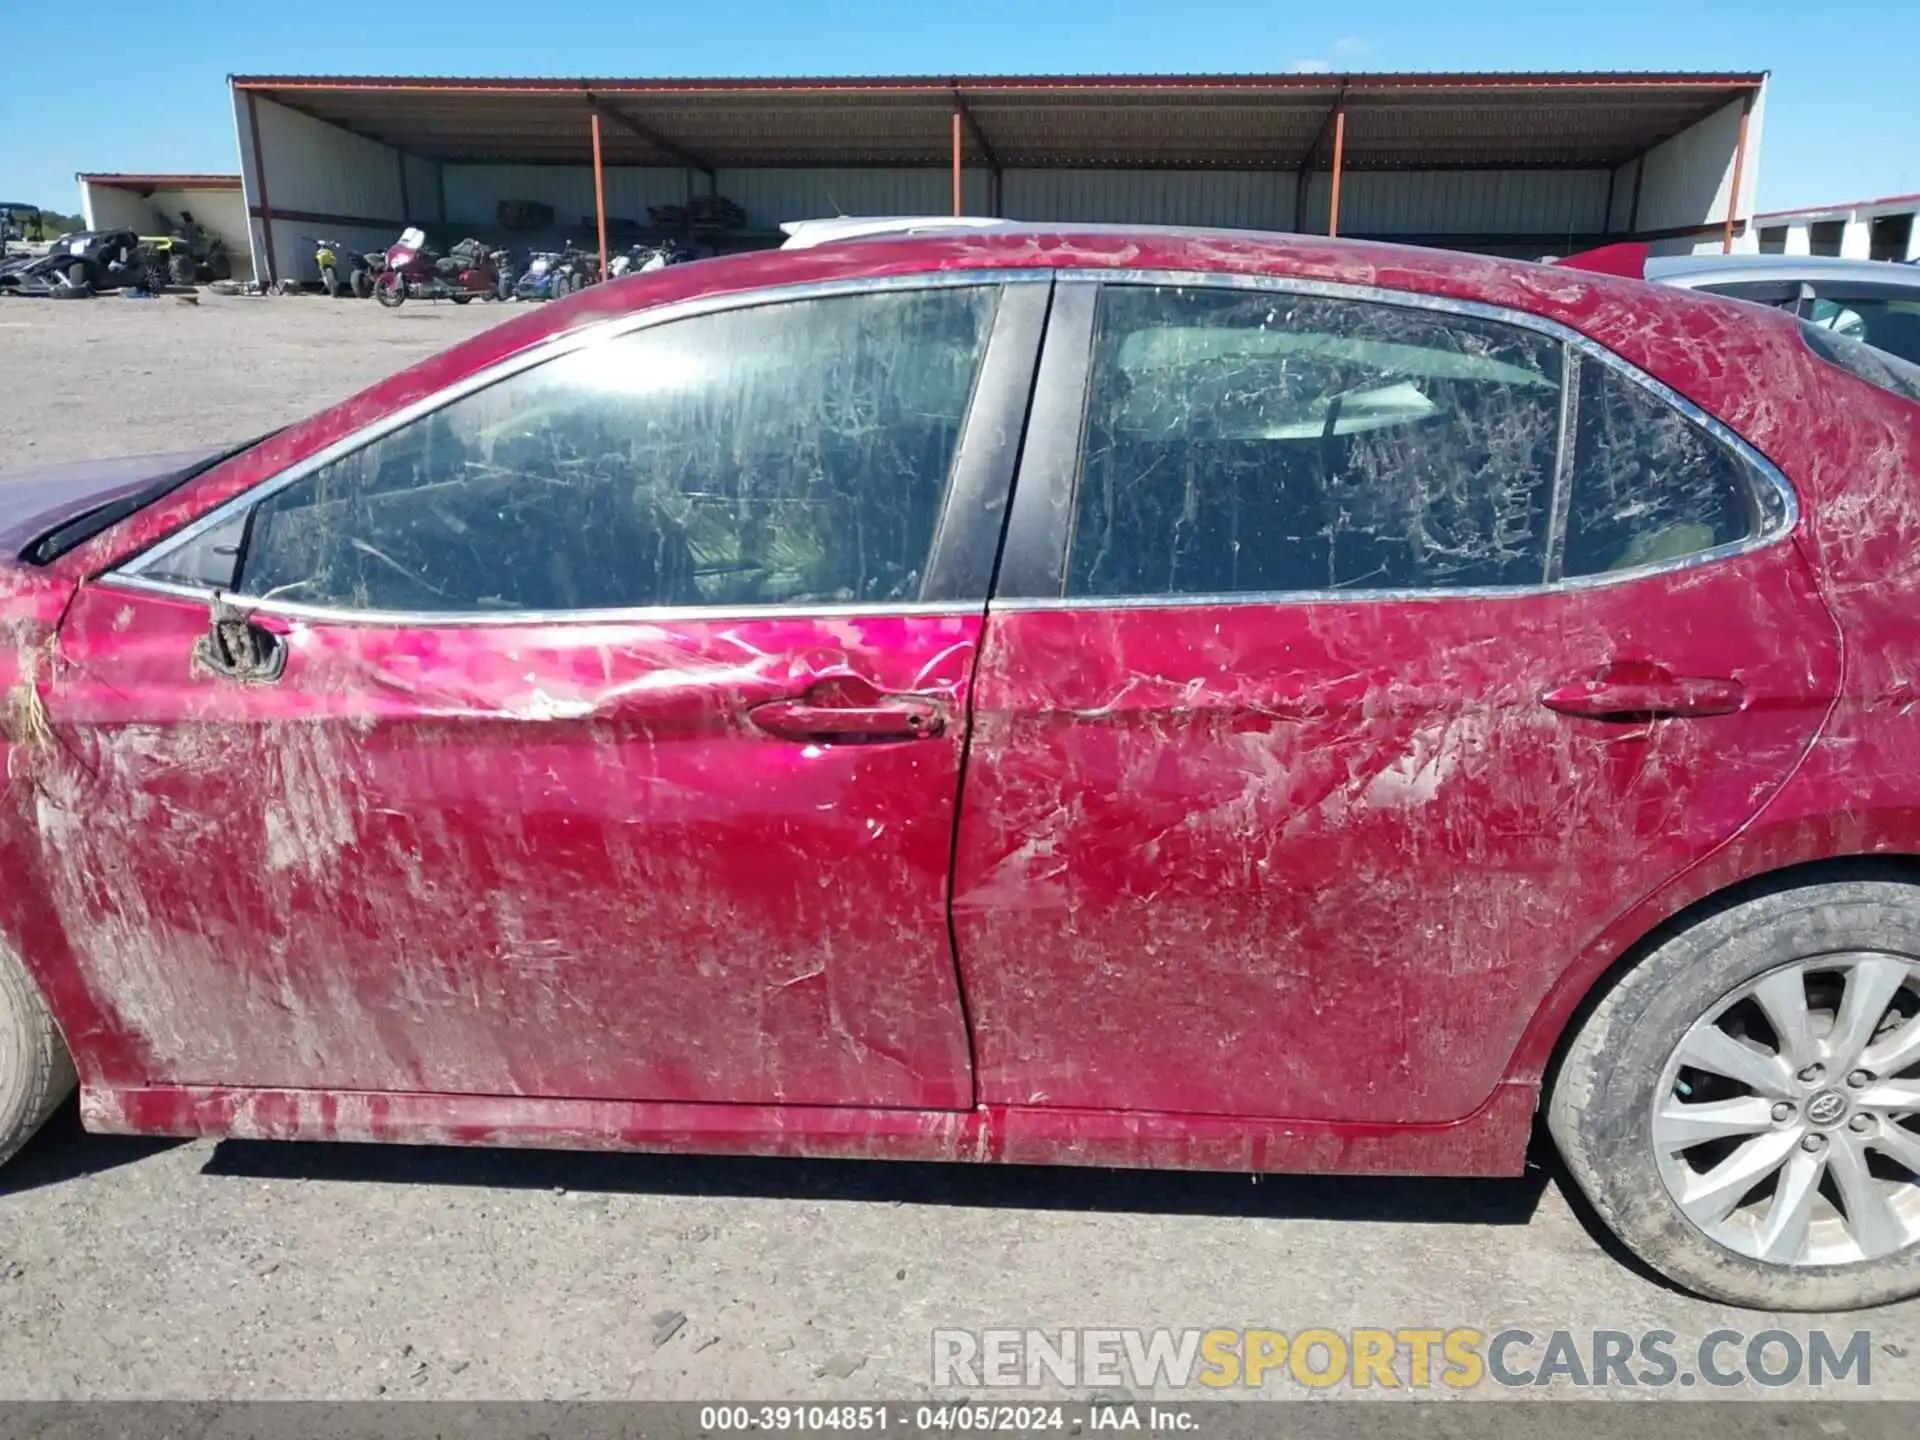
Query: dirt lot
x,y
243,1270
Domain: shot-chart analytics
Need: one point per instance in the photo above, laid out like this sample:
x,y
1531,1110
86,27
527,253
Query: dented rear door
x,y
1353,664
595,734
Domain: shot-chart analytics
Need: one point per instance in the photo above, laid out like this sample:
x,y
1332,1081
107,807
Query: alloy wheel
x,y
1786,1125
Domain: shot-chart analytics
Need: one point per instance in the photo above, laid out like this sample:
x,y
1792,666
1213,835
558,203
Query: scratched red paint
x,y
1293,887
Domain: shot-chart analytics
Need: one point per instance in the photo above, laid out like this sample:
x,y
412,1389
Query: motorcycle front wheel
x,y
330,279
392,290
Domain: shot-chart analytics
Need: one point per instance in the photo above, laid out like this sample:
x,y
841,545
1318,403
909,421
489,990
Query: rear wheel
x,y
182,269
362,283
35,1071
1743,1107
77,276
220,266
461,297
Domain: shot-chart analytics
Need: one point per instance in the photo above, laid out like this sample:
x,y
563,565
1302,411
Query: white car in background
x,y
1876,301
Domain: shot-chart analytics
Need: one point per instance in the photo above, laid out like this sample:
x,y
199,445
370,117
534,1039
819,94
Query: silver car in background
x,y
1876,301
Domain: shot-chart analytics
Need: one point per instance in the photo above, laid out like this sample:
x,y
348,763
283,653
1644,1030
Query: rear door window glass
x,y
785,454
1243,442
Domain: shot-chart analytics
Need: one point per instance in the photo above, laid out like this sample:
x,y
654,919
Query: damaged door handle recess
x,y
237,647
1647,693
851,714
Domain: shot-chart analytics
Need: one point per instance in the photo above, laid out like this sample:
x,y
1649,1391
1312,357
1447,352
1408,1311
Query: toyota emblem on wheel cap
x,y
1826,1107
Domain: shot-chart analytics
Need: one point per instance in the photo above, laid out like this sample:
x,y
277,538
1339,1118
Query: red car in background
x,y
1255,703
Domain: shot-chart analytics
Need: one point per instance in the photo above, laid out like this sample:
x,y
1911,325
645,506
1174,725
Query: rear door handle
x,y
852,711
1647,693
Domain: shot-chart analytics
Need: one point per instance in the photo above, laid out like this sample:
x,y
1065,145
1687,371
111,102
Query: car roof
x,y
1692,270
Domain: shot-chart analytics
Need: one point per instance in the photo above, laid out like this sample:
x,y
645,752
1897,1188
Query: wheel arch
x,y
1701,892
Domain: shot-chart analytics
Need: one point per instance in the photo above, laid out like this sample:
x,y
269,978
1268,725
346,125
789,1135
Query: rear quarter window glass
x,y
1650,484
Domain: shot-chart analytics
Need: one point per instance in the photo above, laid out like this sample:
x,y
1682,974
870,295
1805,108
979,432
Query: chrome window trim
x,y
1773,529
130,572
462,619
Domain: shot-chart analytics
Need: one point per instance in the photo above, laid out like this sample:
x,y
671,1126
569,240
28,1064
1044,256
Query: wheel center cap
x,y
1826,1107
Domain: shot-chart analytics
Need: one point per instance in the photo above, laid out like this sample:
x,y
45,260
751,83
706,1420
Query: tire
x,y
330,281
220,266
362,283
461,298
36,1073
77,277
1803,939
392,290
181,268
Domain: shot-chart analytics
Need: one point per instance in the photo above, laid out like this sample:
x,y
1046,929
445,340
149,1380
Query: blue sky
x,y
140,86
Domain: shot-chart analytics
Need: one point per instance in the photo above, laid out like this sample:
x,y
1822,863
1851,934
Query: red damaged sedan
x,y
1254,703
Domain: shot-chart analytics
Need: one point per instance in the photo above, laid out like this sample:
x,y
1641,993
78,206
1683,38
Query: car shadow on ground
x,y
1402,1199
63,1151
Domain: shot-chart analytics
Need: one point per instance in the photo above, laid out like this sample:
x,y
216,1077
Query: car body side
x,y
1851,452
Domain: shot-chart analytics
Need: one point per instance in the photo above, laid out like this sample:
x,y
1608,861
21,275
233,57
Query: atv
x,y
85,262
190,250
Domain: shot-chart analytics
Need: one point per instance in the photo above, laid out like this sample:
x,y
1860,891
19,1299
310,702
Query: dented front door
x,y
527,841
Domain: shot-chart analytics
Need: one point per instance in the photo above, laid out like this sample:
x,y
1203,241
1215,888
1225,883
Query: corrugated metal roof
x,y
1147,121
161,182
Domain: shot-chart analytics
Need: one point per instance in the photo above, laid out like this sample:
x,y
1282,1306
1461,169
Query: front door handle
x,y
851,710
1630,694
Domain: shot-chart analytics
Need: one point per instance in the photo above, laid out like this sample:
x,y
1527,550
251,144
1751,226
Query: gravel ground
x,y
242,1270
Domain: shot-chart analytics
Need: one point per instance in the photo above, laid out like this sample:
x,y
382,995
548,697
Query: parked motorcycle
x,y
342,271
640,259
468,271
536,281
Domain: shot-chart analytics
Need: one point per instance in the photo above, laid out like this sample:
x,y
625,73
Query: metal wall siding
x,y
323,169
475,191
1237,199
1415,203
423,191
106,207
1689,176
772,196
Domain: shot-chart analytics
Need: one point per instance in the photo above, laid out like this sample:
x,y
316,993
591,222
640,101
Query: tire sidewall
x,y
1678,984
35,1072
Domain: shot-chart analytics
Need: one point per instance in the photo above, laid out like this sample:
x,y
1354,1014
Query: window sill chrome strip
x,y
469,619
552,348
1477,593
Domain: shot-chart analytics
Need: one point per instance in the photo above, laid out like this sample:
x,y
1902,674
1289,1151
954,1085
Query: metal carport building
x,y
1521,164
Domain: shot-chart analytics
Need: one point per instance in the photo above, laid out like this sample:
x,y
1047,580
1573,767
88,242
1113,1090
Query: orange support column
x,y
599,194
1339,155
959,198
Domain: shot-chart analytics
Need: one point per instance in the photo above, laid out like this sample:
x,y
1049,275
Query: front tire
x,y
330,281
36,1073
1742,1107
391,290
